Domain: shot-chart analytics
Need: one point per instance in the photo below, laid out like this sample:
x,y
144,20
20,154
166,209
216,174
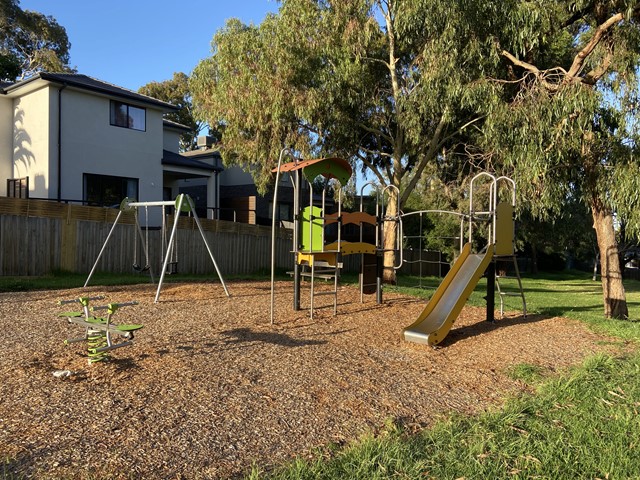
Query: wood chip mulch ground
x,y
210,387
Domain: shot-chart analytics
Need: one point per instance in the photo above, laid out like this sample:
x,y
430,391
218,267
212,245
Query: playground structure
x,y
436,320
183,204
99,330
315,256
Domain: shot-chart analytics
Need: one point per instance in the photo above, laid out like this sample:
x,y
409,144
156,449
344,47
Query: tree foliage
x,y
356,78
544,90
376,81
176,92
30,42
566,127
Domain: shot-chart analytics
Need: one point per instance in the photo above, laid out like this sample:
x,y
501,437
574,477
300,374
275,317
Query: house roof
x,y
85,82
203,153
176,125
180,160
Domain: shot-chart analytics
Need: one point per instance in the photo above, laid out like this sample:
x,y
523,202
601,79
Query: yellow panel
x,y
351,217
505,229
352,248
308,258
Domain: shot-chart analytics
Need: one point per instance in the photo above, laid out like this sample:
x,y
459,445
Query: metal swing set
x,y
183,204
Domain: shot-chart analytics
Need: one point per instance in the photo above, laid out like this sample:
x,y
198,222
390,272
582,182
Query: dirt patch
x,y
210,387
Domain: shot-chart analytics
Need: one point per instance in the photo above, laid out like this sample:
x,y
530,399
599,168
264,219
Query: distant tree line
x,y
30,42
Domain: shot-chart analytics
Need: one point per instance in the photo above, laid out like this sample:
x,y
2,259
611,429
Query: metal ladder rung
x,y
333,292
511,277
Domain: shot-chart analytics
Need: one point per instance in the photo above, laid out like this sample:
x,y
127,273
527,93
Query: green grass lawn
x,y
582,424
571,294
63,280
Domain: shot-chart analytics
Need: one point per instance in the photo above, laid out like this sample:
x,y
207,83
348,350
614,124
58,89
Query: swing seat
x,y
138,268
172,268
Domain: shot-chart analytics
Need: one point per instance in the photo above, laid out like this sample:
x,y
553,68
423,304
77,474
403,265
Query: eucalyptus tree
x,y
176,92
568,126
385,83
30,42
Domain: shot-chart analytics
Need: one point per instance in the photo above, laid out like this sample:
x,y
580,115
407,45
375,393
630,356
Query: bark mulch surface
x,y
210,387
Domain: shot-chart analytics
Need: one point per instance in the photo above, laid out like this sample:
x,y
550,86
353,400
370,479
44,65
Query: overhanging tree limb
x,y
371,167
422,163
582,55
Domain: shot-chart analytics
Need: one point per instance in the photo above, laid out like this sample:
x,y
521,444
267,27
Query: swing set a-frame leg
x,y
113,227
172,239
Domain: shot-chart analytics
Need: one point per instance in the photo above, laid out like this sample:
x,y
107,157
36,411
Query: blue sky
x,y
133,42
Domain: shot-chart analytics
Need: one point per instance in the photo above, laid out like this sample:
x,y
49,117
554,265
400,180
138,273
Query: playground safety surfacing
x,y
209,387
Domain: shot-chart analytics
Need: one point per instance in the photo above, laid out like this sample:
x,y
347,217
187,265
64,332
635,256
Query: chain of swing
x,y
172,265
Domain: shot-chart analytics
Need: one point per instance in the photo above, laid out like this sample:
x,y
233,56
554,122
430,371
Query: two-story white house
x,y
70,137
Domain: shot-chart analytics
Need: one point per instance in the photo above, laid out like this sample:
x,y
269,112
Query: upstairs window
x,y
128,116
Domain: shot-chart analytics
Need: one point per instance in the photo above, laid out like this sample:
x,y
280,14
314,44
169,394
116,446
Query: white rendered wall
x,y
171,140
91,145
32,141
6,142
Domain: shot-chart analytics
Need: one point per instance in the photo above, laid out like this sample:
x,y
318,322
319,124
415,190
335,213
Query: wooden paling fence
x,y
38,237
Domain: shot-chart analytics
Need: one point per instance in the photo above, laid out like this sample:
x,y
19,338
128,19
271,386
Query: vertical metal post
x,y
192,207
273,232
491,291
297,268
296,220
379,270
380,249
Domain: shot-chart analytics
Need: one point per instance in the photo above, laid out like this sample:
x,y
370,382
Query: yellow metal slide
x,y
434,323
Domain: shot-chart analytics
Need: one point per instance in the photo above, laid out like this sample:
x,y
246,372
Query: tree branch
x,y
541,75
582,55
596,74
578,62
521,63
375,131
377,60
371,167
577,15
458,130
431,151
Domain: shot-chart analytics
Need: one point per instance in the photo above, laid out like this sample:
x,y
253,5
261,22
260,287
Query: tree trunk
x,y
390,238
615,301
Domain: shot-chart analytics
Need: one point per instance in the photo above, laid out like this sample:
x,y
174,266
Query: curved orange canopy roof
x,y
332,167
